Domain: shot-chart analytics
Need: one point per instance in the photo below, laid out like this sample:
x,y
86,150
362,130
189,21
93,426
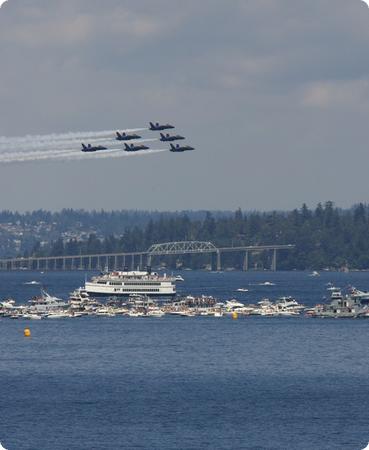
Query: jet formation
x,y
137,146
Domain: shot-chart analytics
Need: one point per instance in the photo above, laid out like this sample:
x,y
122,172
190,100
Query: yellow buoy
x,y
234,316
27,332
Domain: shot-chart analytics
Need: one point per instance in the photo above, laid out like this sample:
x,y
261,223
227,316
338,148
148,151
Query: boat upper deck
x,y
133,276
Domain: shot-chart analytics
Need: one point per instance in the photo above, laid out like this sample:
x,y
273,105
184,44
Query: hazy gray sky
x,y
274,95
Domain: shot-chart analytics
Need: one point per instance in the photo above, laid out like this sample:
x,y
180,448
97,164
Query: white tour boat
x,y
126,284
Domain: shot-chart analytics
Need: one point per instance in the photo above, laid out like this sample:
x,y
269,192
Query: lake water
x,y
186,383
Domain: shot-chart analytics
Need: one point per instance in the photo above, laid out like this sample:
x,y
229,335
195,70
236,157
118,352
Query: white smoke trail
x,y
37,154
69,156
117,154
65,146
66,136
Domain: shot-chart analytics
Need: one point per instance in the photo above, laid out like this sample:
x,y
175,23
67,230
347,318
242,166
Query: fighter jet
x,y
90,148
126,137
169,138
135,148
158,127
178,148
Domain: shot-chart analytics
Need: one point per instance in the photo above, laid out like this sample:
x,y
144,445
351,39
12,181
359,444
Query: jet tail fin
x,y
152,125
127,147
162,135
83,145
119,135
172,147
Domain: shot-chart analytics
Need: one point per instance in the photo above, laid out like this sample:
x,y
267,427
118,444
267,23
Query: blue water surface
x,y
186,383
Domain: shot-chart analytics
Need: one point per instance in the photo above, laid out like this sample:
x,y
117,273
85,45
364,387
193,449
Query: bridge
x,y
119,261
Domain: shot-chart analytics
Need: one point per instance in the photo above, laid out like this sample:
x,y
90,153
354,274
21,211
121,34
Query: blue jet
x,y
169,138
158,127
177,148
92,148
135,148
126,137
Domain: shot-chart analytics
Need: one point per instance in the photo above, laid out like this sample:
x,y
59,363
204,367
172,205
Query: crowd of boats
x,y
45,306
351,305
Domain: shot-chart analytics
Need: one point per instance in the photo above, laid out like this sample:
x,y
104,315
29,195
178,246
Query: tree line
x,y
325,237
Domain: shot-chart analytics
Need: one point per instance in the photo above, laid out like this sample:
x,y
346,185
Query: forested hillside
x,y
324,237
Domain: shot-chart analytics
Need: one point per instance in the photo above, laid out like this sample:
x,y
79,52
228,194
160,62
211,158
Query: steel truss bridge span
x,y
119,261
181,248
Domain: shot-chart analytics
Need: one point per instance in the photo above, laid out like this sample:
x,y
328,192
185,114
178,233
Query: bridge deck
x,y
90,261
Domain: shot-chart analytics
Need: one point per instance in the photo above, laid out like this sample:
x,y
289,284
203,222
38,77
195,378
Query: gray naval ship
x,y
351,305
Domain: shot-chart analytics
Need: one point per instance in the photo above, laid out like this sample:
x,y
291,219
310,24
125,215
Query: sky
x,y
274,95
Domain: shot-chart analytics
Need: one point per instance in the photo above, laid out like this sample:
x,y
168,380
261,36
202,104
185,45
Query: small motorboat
x,y
314,273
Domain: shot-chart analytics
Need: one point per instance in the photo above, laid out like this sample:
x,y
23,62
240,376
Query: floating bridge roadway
x,y
117,261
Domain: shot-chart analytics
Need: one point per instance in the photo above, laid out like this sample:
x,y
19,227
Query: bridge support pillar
x,y
246,262
149,260
274,260
133,263
90,263
219,261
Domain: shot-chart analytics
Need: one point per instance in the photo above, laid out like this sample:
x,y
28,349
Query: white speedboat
x,y
361,295
104,312
314,273
188,313
135,314
58,315
288,303
8,304
155,313
333,288
232,304
242,290
179,278
265,308
46,304
32,317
